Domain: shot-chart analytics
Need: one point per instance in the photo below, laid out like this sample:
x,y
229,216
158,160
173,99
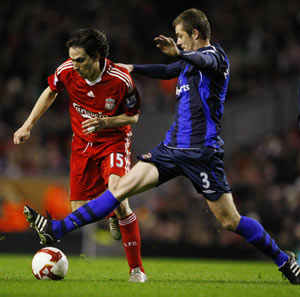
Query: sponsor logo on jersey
x,y
226,73
86,113
110,103
146,156
130,102
184,88
91,94
209,191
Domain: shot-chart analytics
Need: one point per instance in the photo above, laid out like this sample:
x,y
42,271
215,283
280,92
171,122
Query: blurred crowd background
x,y
262,41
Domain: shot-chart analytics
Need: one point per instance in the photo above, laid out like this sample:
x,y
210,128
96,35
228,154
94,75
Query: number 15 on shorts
x,y
116,159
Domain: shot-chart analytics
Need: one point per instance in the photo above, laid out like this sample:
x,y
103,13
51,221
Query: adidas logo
x,y
91,94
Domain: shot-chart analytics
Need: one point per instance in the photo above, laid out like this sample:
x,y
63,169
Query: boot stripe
x,y
295,269
39,221
43,226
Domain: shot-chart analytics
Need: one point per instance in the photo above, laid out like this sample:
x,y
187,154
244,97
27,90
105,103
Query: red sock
x,y
131,241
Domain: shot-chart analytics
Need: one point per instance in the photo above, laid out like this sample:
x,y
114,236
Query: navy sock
x,y
255,234
91,212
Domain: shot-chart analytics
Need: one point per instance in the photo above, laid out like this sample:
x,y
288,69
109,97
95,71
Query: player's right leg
x,y
131,238
226,213
140,178
212,183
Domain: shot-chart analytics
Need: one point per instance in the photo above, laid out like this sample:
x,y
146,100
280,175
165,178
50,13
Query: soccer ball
x,y
49,263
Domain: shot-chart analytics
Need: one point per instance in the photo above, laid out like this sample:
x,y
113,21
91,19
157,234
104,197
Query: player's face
x,y
85,65
184,40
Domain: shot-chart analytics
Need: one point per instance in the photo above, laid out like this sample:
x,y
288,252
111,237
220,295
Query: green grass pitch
x,y
108,277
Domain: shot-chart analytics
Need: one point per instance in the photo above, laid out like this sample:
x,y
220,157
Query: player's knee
x,y
229,222
73,208
76,204
229,226
113,186
116,189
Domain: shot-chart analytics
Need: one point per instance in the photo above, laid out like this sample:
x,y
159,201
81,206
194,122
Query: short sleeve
x,y
54,83
56,80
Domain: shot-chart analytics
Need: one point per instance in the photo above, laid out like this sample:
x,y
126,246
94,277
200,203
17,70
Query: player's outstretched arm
x,y
43,103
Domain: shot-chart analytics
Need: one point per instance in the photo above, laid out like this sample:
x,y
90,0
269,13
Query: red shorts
x,y
92,163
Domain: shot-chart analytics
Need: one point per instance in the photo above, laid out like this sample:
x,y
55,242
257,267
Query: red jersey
x,y
111,94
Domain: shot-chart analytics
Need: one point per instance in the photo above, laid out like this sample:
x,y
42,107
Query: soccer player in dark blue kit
x,y
192,146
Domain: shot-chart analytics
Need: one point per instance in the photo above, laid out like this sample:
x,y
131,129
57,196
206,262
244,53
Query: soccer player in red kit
x,y
103,103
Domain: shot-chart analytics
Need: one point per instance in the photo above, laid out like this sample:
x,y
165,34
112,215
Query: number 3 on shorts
x,y
205,181
116,159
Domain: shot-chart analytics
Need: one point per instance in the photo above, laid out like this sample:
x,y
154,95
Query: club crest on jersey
x,y
110,103
146,156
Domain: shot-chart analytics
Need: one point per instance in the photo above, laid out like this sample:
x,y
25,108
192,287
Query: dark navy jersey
x,y
200,94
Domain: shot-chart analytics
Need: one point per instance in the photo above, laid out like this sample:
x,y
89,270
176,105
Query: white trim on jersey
x,y
128,153
66,65
59,72
200,73
208,51
215,50
122,76
126,76
55,79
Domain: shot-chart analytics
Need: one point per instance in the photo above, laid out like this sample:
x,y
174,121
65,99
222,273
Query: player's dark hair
x,y
194,19
93,41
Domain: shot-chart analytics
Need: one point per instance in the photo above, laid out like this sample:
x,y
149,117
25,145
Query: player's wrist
x,y
108,122
27,126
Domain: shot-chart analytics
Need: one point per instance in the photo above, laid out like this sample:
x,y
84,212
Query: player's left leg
x,y
130,235
226,213
86,180
141,177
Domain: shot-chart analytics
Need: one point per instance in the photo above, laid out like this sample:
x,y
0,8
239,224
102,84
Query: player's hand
x,y
95,124
167,45
21,135
129,67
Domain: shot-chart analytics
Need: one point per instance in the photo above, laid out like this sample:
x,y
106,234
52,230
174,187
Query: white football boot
x,y
114,228
137,276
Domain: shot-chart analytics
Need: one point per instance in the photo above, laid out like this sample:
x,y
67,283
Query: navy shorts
x,y
203,167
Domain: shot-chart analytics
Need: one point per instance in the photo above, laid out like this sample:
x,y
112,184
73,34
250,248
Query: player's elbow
x,y
135,118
